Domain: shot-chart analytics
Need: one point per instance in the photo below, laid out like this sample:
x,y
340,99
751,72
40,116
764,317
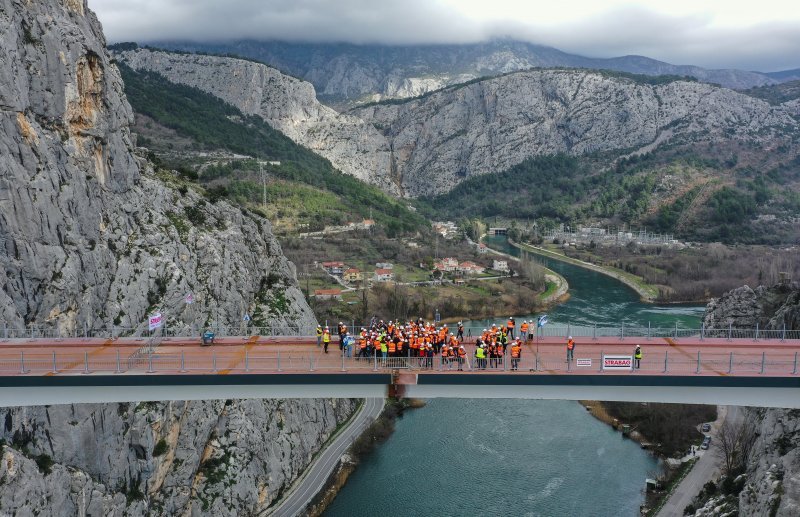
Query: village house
x,y
383,275
500,265
470,268
384,265
334,268
446,264
352,275
482,249
328,294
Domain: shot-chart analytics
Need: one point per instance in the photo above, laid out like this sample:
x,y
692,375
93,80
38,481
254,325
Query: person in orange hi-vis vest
x,y
570,348
510,325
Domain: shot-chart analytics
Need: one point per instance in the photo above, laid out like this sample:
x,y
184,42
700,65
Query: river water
x,y
515,457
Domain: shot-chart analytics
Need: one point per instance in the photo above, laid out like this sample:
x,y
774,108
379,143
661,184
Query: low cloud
x,y
629,30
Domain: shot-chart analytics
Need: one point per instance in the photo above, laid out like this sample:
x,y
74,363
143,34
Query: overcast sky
x,y
755,35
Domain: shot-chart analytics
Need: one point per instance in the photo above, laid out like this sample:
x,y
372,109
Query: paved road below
x,y
318,472
706,468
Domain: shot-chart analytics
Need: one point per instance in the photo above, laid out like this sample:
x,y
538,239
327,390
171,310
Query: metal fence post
x,y
756,338
666,360
676,331
783,335
279,361
5,330
594,332
183,361
602,360
703,331
730,364
343,368
247,360
150,362
569,329
375,359
214,361
730,330
55,364
763,359
794,371
698,362
85,330
310,362
119,369
22,362
648,331
86,362
622,330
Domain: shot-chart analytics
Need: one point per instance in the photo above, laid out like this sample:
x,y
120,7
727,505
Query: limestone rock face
x,y
491,125
286,103
773,475
179,458
771,308
88,234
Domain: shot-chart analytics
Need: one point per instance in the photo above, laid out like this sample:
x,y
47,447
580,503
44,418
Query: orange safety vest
x,y
399,346
462,352
570,344
363,343
510,324
390,346
444,350
524,328
515,350
499,350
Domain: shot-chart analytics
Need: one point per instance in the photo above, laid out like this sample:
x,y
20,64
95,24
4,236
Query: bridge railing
x,y
621,331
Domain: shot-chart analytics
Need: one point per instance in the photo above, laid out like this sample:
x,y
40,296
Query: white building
x,y
500,265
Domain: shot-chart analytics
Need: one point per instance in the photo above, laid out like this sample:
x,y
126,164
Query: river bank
x,y
647,293
378,432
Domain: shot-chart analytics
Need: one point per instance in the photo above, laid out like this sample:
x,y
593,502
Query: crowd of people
x,y
425,340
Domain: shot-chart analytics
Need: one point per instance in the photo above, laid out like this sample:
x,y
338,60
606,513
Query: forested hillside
x,y
679,191
211,142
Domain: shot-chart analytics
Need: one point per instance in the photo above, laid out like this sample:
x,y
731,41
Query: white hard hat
x,y
569,337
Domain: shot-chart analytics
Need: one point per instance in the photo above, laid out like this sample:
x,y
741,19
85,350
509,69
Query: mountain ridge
x,y
346,73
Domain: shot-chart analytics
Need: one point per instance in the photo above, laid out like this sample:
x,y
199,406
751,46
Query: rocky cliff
x,y
286,103
183,458
771,483
490,125
430,144
88,234
350,72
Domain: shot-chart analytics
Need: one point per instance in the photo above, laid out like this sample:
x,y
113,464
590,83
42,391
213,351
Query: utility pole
x,y
263,184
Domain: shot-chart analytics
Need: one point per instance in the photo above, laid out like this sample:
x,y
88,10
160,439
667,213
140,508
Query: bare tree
x,y
736,439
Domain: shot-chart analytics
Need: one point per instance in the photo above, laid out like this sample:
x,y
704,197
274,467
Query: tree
x,y
736,438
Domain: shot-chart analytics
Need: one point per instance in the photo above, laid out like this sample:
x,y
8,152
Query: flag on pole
x,y
154,321
541,321
246,317
189,299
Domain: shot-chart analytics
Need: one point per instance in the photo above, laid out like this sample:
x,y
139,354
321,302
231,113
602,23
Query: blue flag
x,y
541,321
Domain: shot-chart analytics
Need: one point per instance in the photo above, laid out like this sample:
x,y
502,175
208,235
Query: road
x,y
316,475
703,471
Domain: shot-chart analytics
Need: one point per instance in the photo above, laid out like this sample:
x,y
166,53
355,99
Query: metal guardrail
x,y
783,363
555,330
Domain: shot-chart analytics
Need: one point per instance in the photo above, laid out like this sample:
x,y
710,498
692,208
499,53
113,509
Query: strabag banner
x,y
617,362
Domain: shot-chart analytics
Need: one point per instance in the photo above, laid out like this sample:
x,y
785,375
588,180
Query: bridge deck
x,y
280,355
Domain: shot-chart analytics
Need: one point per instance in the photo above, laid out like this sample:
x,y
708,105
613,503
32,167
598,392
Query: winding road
x,y
317,473
705,470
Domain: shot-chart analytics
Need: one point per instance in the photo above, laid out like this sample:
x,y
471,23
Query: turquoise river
x,y
515,457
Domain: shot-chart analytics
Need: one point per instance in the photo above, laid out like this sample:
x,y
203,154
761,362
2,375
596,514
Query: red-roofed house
x,y
383,275
328,294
